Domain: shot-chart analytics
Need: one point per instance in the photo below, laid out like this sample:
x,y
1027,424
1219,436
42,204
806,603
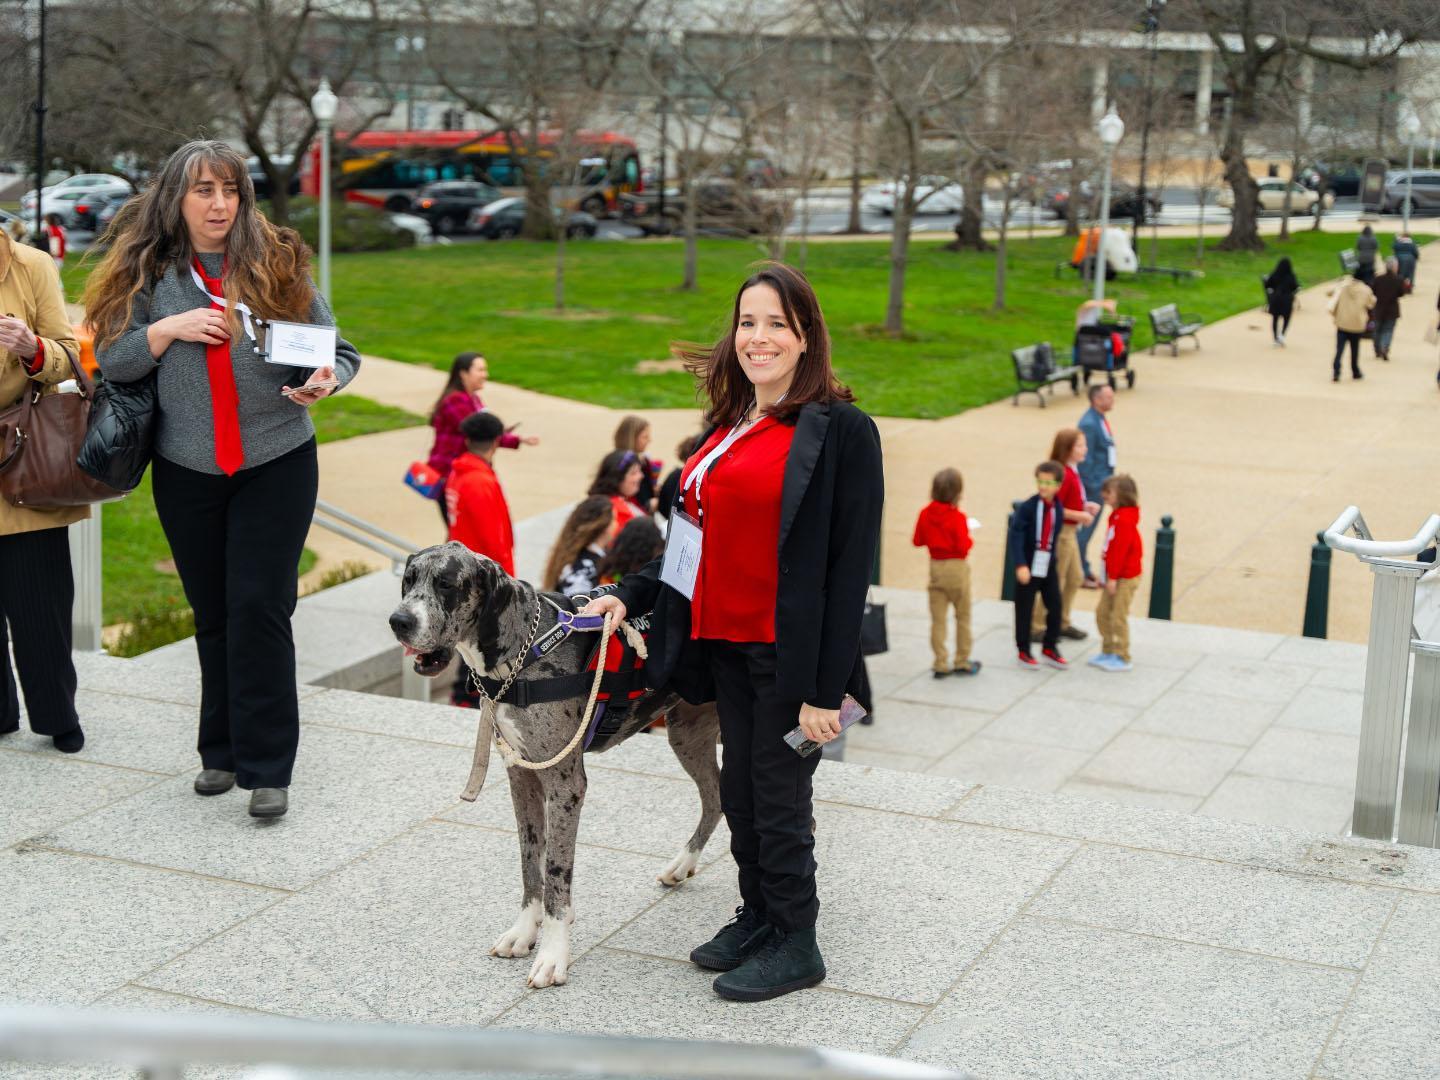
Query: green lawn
x,y
424,306
137,577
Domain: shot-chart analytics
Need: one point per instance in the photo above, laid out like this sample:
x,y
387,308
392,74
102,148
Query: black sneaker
x,y
1073,633
789,960
734,943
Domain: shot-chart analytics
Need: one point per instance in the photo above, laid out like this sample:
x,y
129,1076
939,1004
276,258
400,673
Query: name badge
x,y
1110,455
1040,564
300,345
681,565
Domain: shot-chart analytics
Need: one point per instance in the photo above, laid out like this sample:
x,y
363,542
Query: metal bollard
x,y
1162,577
87,613
1007,572
1317,593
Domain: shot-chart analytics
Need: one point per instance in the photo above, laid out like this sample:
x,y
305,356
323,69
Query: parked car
x,y
78,183
503,219
105,214
723,207
85,211
447,205
1424,191
1272,197
933,195
1342,178
1124,201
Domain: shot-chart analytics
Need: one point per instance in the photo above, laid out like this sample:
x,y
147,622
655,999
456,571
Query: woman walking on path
x,y
1280,289
783,500
469,373
1365,248
192,265
1388,288
36,586
1349,305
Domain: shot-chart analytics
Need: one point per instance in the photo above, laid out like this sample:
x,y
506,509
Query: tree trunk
x,y
1000,252
1244,232
1072,201
279,202
690,225
899,257
969,235
857,132
560,269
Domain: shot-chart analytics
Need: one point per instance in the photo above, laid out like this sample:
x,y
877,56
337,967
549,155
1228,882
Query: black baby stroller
x,y
1105,347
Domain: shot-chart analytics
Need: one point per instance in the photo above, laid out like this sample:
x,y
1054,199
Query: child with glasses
x,y
1034,530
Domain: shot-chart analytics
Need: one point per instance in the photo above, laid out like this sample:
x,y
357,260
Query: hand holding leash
x,y
604,605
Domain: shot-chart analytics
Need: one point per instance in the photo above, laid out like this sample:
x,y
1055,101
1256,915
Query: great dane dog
x,y
453,600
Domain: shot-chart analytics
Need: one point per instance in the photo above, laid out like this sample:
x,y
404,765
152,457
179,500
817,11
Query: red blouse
x,y
1072,493
740,566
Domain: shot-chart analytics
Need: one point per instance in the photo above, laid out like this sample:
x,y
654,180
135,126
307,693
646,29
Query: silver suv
x,y
1424,191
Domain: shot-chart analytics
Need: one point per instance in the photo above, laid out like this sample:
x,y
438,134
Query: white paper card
x,y
300,345
1110,455
1040,564
681,565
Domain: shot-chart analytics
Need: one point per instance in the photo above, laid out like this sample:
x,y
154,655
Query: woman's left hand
x,y
17,338
530,440
310,393
819,725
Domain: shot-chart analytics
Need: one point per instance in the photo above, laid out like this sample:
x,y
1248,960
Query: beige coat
x,y
1352,301
30,290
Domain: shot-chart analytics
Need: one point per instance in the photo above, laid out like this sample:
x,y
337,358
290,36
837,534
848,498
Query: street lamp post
x,y
1412,129
1152,30
1111,129
323,105
41,240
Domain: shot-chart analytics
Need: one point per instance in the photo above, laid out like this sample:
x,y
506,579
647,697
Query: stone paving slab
x,y
1291,804
44,789
132,732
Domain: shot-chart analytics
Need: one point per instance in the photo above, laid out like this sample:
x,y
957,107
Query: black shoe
x,y
941,674
269,802
71,742
1335,377
1356,375
214,782
734,943
789,960
1074,633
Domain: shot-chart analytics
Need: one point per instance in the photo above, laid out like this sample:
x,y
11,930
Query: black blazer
x,y
1023,540
831,499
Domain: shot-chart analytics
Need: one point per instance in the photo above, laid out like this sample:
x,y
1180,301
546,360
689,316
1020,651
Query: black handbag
x,y
120,439
873,637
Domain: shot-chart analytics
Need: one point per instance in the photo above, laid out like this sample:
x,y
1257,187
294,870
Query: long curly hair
x,y
586,525
266,266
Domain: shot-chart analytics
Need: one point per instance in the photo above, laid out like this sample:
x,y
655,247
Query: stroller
x,y
1105,347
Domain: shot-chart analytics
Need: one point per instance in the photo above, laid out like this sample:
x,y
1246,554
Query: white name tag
x,y
300,345
1110,455
681,565
1040,564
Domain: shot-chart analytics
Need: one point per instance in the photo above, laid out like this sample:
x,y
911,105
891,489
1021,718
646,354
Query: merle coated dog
x,y
453,600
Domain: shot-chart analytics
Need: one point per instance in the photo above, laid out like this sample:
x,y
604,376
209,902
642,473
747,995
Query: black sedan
x,y
504,218
1124,201
447,205
87,213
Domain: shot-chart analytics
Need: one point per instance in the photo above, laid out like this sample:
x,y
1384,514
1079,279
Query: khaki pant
x,y
950,585
1066,568
1112,616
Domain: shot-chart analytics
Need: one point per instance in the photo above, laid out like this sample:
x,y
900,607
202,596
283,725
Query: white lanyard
x,y
697,475
222,302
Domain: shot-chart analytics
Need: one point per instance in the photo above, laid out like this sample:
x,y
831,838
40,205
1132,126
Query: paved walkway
x,y
1250,448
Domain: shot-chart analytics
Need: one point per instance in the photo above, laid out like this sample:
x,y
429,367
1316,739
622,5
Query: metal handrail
x,y
162,1045
1364,544
395,548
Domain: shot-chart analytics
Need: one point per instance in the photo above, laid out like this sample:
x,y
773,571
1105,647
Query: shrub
x,y
352,227
153,626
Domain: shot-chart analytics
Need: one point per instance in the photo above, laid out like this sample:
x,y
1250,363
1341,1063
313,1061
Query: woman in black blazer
x,y
786,488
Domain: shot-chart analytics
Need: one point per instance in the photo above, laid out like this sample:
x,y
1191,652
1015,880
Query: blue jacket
x,y
1023,538
1096,466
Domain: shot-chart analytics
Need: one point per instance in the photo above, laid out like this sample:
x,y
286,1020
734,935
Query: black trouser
x,y
1049,589
237,542
1279,323
37,592
765,787
1341,337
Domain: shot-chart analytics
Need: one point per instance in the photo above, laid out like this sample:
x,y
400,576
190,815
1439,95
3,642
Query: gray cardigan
x,y
270,423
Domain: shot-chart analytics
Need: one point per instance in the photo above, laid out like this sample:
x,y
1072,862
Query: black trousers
x,y
37,592
764,787
237,542
1341,338
1049,589
1279,323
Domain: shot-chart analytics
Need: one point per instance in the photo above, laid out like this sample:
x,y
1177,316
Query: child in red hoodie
x,y
1123,562
943,529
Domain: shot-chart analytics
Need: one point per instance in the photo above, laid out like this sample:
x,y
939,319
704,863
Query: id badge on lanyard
x,y
1110,455
681,565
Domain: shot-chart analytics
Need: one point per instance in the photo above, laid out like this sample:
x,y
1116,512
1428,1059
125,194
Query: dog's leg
x,y
693,731
529,799
564,796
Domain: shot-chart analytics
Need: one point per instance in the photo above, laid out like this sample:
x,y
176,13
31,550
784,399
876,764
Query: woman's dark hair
x,y
1283,278
1123,484
687,447
1064,444
458,367
482,427
52,219
628,431
586,524
717,367
638,543
947,486
610,475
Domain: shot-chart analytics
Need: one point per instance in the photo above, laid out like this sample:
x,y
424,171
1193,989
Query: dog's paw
x,y
520,938
552,961
680,868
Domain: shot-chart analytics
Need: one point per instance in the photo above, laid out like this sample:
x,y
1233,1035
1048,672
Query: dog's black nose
x,y
402,622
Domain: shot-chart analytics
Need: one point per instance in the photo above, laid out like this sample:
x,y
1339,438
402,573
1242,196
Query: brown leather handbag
x,y
40,437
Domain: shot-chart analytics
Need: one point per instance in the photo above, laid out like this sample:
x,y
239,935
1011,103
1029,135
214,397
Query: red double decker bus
x,y
386,168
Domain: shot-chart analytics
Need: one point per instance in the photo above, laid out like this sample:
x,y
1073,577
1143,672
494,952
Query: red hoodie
x,y
1124,550
943,529
479,515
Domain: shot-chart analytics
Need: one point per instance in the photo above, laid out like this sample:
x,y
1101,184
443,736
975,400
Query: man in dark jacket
x,y
1365,248
1408,253
1388,288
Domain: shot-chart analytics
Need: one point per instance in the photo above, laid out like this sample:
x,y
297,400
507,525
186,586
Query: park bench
x,y
1036,369
1169,326
1349,261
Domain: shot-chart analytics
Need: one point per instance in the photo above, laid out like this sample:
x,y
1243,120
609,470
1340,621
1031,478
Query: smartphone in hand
x,y
324,384
850,711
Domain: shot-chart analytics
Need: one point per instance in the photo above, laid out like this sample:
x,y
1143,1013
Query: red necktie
x,y
1045,527
224,398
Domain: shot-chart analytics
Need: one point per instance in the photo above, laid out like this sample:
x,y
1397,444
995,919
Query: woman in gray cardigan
x,y
192,266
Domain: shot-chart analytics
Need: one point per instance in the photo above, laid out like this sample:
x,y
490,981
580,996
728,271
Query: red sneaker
x,y
1053,659
1026,661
